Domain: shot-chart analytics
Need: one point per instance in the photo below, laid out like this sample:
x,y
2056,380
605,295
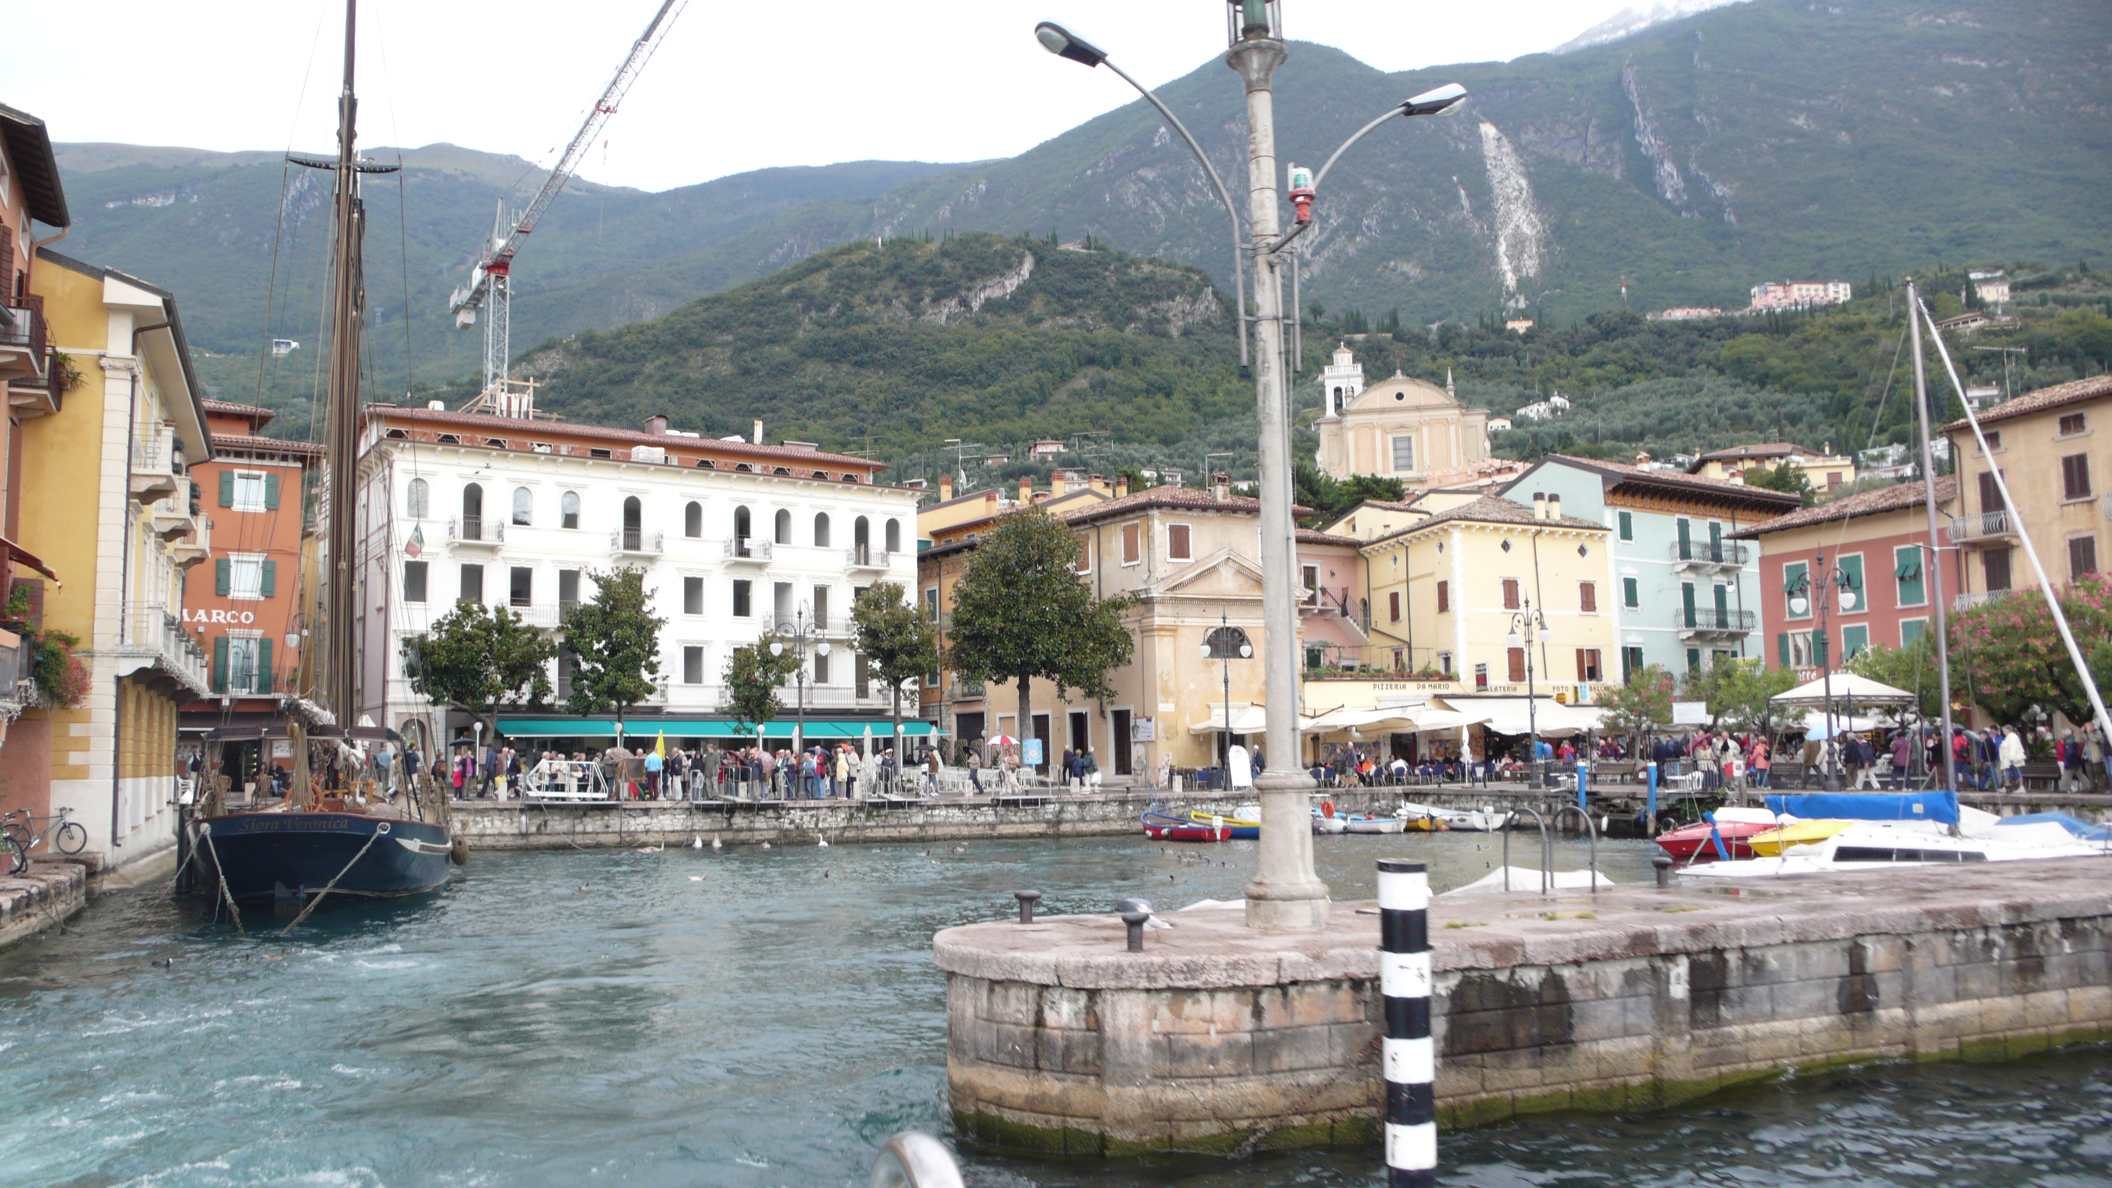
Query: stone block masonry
x,y
1217,1038
42,898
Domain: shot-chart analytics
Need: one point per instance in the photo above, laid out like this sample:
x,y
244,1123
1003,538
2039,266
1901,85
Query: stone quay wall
x,y
43,898
1216,1038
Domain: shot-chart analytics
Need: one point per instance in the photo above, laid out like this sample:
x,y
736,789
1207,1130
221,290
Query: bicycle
x,y
21,835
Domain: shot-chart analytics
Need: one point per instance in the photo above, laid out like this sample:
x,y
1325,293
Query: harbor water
x,y
763,1017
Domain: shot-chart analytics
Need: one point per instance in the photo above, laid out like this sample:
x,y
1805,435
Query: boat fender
x,y
1327,808
458,850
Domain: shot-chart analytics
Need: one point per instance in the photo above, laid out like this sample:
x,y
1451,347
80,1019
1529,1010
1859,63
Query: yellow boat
x,y
1803,833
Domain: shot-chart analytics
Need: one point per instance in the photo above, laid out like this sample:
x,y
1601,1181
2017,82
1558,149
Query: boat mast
x,y
339,617
1935,566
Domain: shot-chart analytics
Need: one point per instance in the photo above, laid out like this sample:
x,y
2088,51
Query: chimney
x,y
1221,485
656,424
1063,482
990,501
1026,490
1121,485
1826,448
1554,506
1539,505
1642,459
1735,476
758,438
945,487
1096,482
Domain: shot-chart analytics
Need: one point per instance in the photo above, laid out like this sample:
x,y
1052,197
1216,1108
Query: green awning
x,y
701,728
1909,566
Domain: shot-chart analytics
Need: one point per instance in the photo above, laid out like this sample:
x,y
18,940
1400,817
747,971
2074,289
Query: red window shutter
x,y
1588,597
1517,656
1444,597
1393,605
1510,593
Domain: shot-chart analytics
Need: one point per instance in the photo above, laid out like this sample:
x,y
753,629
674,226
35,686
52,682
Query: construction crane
x,y
490,281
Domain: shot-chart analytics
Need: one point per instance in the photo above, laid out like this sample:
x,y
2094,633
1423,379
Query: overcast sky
x,y
734,86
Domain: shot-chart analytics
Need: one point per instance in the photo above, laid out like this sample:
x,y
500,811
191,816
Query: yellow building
x,y
1452,587
106,503
1188,555
1826,470
1399,428
957,516
2046,446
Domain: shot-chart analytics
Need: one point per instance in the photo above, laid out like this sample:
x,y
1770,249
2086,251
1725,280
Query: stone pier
x,y
1217,1037
43,898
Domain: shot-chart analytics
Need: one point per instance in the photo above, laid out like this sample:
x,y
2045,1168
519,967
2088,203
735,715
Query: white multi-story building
x,y
1801,294
735,537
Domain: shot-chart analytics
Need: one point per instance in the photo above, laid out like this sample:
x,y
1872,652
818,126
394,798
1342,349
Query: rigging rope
x,y
332,886
221,872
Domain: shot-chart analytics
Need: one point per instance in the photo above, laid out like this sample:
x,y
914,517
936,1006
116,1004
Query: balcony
x,y
1707,620
637,542
1708,554
34,395
746,550
23,352
154,473
1988,528
867,557
1966,602
475,532
538,614
155,639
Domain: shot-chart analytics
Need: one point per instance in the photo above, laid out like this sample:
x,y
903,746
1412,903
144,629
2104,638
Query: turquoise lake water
x,y
757,1018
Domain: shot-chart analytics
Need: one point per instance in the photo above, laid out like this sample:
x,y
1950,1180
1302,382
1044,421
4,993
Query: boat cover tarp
x,y
1940,807
2068,821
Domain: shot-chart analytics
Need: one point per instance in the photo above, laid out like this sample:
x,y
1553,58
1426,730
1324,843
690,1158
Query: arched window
x,y
861,539
568,506
633,527
784,527
741,523
420,500
894,536
821,530
472,512
693,519
523,506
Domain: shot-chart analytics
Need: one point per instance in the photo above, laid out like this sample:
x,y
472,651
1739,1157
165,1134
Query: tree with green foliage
x,y
1639,707
1785,478
1021,611
1737,693
753,676
898,640
1911,668
1329,497
2008,658
477,658
613,639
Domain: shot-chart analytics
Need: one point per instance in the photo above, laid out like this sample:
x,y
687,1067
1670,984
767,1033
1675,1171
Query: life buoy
x,y
1327,808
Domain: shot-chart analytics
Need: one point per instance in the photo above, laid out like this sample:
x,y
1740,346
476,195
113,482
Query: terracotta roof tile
x,y
245,441
2073,392
1866,503
1688,482
1491,510
496,426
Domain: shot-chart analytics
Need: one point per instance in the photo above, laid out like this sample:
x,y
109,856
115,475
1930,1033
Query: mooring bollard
x,y
1410,1059
1135,920
1663,863
1026,905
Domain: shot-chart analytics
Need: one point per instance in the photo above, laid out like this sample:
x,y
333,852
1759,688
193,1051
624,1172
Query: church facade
x,y
1400,428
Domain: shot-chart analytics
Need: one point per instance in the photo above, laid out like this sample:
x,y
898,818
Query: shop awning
x,y
1247,718
1520,715
24,557
703,728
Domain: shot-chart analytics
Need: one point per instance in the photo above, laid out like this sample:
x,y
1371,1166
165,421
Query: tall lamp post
x,y
803,636
1223,644
1833,583
1286,894
1528,627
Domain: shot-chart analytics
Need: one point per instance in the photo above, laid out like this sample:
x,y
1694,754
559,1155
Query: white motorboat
x,y
1867,845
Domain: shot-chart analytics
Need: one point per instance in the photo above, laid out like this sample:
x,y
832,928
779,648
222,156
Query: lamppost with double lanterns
x,y
1834,584
1286,893
1223,644
1528,627
802,635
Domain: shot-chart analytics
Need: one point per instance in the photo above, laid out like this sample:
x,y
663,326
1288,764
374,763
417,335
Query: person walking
x,y
1089,768
931,771
1761,763
975,768
2010,754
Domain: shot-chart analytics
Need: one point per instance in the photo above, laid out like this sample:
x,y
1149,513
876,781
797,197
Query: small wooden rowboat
x,y
1160,827
1239,826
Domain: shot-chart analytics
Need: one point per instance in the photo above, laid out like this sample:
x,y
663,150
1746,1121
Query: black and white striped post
x,y
1410,1060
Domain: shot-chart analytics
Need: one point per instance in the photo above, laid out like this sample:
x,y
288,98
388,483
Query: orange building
x,y
243,607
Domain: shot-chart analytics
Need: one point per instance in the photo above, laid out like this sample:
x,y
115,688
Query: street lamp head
x,y
777,647
1246,651
1798,604
1444,98
822,648
1847,599
1205,650
1546,635
1513,640
1058,40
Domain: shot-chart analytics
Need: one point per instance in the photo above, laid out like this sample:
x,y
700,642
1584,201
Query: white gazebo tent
x,y
1845,688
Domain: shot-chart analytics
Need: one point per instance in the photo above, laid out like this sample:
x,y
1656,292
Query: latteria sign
x,y
239,618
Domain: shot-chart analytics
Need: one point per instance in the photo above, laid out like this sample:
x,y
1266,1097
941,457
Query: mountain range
x,y
1676,164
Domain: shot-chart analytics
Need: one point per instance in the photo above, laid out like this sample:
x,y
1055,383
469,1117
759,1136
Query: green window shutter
x,y
264,655
227,488
1723,606
1686,539
1629,595
220,663
1854,640
1818,649
1782,648
271,579
1911,631
220,576
1627,525
271,491
1715,534
1686,601
1852,574
1908,572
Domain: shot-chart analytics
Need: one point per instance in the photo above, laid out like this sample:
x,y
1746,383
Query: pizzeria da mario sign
x,y
220,616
